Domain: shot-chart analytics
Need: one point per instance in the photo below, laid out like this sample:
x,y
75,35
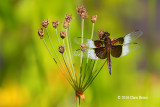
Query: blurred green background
x,y
30,78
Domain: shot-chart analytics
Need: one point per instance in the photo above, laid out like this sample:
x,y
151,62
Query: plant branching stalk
x,y
91,37
88,55
70,57
91,73
68,69
57,36
66,55
58,65
86,71
82,24
56,53
81,68
64,58
95,75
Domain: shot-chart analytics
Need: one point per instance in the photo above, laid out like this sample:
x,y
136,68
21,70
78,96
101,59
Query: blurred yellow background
x,y
30,78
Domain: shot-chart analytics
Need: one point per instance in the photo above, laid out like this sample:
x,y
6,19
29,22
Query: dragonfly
x,y
106,46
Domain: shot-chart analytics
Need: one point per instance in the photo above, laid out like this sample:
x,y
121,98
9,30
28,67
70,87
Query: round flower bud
x,y
68,18
55,24
93,18
65,24
63,34
41,33
61,49
45,23
83,47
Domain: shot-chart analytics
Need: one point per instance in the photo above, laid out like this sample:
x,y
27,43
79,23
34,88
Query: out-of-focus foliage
x,y
29,77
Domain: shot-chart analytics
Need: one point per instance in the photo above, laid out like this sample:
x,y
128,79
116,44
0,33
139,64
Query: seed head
x,y
81,10
84,15
100,33
55,24
61,49
83,47
68,17
93,18
63,34
65,24
41,33
45,23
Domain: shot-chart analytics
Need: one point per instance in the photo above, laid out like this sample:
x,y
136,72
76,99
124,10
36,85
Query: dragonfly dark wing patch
x,y
116,51
120,40
101,52
98,43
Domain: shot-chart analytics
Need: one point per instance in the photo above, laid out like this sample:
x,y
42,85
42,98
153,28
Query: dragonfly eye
x,y
106,34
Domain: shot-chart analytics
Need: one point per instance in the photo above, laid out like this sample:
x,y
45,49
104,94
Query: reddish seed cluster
x,y
81,10
93,18
100,33
55,24
68,17
83,47
45,23
61,49
41,33
63,34
65,24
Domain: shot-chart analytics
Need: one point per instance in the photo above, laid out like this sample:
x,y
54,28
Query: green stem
x,y
58,64
91,37
78,103
57,36
82,24
70,57
67,59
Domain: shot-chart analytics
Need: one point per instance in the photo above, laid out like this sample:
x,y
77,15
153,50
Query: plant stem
x,y
70,57
67,59
58,65
56,54
78,102
91,37
82,24
57,36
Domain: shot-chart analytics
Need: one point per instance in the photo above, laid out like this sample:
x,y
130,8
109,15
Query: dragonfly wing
x,y
101,52
116,51
88,53
127,48
122,46
132,36
90,43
